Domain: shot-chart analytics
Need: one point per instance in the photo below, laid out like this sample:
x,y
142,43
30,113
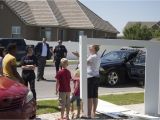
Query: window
x,y
61,34
140,59
16,31
47,33
1,7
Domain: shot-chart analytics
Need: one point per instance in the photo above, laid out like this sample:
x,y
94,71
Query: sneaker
x,y
44,78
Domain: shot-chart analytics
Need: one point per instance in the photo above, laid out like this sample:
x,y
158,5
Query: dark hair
x,y
1,51
11,47
27,48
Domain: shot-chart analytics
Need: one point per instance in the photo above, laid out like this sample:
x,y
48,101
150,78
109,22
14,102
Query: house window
x,y
16,32
1,7
47,33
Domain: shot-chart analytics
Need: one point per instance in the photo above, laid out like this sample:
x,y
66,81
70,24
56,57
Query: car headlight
x,y
29,97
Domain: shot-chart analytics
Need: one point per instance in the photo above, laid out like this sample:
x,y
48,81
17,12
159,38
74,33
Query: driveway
x,y
46,89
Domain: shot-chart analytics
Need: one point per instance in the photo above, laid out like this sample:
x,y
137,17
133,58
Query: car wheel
x,y
113,78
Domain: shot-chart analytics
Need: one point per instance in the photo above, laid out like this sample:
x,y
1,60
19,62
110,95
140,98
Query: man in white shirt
x,y
42,52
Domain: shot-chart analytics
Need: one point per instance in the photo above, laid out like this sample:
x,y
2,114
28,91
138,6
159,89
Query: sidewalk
x,y
110,111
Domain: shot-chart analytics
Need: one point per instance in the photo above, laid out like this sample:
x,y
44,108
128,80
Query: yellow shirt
x,y
8,61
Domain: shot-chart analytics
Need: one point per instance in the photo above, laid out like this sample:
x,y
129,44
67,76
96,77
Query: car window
x,y
116,55
140,59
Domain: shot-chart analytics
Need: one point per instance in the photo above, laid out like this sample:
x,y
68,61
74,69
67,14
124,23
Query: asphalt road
x,y
46,89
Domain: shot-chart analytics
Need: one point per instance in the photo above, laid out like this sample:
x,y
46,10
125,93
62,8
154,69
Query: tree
x,y
137,32
156,33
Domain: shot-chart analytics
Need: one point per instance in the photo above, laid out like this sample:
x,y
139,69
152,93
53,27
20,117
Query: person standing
x,y
93,64
9,64
42,52
59,52
63,88
28,64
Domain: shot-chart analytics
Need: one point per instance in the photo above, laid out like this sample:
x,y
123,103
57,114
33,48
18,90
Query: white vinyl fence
x,y
152,70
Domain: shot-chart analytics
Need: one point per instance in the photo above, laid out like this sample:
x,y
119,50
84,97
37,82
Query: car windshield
x,y
115,55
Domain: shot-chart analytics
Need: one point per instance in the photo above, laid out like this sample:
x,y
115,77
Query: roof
x,y
58,13
148,24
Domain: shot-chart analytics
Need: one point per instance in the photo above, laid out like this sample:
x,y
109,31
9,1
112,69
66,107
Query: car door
x,y
136,67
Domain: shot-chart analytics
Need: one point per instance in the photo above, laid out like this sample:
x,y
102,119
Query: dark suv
x,y
122,65
21,46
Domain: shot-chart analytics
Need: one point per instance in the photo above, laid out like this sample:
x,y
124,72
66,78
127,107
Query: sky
x,y
119,12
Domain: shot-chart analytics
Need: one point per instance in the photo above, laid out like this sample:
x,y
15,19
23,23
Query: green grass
x,y
47,106
124,99
51,106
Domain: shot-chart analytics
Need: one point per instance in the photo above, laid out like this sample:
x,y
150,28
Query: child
x,y
76,94
63,88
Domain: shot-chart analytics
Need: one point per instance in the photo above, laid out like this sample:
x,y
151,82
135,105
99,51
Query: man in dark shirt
x,y
59,52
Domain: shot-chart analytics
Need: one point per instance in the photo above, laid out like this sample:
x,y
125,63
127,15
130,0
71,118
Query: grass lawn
x,y
124,99
47,106
51,106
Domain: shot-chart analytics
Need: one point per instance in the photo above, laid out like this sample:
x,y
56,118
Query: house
x,y
153,24
54,19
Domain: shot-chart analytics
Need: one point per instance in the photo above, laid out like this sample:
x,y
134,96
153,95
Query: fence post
x,y
83,73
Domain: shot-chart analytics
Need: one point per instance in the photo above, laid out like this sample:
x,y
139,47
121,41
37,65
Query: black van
x,y
21,46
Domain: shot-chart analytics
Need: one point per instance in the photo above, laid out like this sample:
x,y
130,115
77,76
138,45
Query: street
x,y
46,89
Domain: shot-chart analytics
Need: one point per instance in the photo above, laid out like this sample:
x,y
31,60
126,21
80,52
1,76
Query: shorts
x,y
64,99
93,84
77,99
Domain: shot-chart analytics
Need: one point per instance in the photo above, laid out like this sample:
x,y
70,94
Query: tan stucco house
x,y
54,19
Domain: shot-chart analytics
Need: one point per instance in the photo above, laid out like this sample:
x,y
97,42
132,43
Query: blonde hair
x,y
96,47
64,62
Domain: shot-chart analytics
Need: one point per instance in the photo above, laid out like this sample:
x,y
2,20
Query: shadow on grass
x,y
49,80
47,107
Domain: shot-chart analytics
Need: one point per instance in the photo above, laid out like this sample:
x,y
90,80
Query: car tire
x,y
113,78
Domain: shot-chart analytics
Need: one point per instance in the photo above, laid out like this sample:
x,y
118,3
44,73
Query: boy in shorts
x,y
63,88
76,94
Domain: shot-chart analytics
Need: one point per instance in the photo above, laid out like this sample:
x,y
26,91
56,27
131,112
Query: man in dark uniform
x,y
42,52
59,52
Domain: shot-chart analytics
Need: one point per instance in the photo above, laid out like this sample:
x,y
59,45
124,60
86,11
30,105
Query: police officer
x,y
59,52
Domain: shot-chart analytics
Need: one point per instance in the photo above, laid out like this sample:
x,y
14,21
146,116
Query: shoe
x,y
44,79
38,80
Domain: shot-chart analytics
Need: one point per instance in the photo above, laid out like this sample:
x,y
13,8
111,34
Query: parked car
x,y
21,46
16,102
120,66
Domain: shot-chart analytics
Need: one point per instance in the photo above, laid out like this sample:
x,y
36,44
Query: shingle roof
x,y
148,24
97,22
60,13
